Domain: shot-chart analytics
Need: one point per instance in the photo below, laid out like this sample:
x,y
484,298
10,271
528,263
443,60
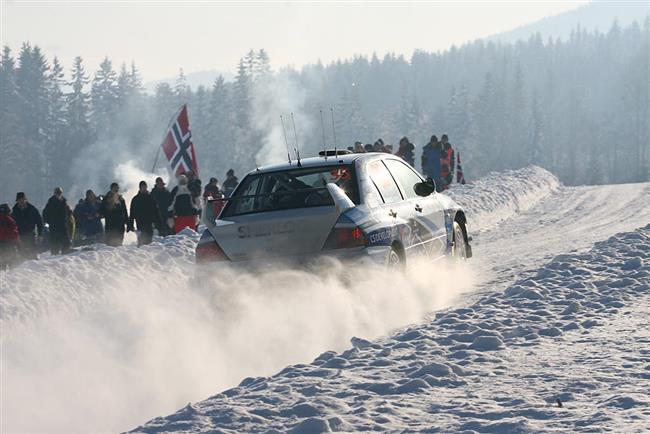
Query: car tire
x,y
395,259
459,245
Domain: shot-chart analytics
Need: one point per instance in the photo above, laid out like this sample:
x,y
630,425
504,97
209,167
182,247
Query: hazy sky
x,y
162,36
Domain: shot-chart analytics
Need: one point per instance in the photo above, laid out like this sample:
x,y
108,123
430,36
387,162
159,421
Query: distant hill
x,y
596,15
194,79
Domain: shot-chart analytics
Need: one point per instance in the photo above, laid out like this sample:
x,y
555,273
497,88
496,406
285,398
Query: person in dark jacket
x,y
431,154
89,223
447,162
230,183
183,207
116,217
30,226
212,189
145,214
58,215
163,198
405,150
9,238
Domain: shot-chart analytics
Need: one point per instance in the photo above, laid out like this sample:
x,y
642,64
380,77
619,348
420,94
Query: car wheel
x,y
459,246
395,260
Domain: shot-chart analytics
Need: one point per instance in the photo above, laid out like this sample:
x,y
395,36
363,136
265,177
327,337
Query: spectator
x,y
163,199
405,150
183,208
145,214
30,226
212,190
89,223
76,240
116,218
431,157
358,148
230,183
9,238
58,215
447,162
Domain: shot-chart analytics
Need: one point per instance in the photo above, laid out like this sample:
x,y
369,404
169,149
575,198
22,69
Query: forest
x,y
578,107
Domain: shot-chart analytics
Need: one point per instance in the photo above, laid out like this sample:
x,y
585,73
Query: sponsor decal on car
x,y
268,229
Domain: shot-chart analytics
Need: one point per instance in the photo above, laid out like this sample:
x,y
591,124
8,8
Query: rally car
x,y
371,206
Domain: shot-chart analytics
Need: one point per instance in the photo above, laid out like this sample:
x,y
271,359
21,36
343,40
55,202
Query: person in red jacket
x,y
9,239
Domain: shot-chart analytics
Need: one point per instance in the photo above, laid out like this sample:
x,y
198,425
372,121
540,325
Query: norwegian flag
x,y
178,146
460,178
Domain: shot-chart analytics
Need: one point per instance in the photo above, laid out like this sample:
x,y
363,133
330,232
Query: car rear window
x,y
290,189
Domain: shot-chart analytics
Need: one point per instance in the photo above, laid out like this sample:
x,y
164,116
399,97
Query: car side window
x,y
248,188
405,176
384,182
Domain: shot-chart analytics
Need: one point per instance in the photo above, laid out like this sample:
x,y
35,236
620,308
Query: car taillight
x,y
346,237
208,250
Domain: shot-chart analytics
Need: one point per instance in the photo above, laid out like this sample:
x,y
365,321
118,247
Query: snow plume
x,y
128,175
272,96
101,341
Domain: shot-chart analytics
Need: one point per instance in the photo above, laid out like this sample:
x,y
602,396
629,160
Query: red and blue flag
x,y
178,146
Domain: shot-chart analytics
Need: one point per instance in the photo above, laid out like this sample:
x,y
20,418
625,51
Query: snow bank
x,y
560,351
500,195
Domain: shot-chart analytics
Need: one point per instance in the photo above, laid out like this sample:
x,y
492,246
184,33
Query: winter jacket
x,y
229,185
447,163
143,211
58,214
195,187
406,153
8,230
211,191
114,212
163,198
431,154
182,204
27,219
89,221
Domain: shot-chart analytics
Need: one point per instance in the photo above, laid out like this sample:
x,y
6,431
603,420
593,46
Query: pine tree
x,y
104,99
80,133
9,136
56,124
181,89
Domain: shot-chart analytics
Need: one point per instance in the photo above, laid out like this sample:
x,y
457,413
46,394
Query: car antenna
x,y
297,148
334,132
322,128
284,131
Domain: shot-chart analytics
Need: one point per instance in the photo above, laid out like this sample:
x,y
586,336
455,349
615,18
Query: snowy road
x,y
568,219
119,335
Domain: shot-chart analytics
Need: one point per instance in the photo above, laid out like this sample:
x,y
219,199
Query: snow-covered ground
x,y
565,349
104,340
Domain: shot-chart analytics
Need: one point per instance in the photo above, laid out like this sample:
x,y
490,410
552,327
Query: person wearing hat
x,y
30,226
183,208
163,199
9,238
57,214
230,183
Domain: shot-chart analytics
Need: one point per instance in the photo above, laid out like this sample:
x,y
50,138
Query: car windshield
x,y
290,189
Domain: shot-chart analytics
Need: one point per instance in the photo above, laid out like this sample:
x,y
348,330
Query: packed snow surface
x,y
565,349
103,340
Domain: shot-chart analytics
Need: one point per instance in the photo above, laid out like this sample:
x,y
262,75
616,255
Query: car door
x,y
429,221
392,211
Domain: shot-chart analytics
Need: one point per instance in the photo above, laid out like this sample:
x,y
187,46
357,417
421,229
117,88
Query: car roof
x,y
317,162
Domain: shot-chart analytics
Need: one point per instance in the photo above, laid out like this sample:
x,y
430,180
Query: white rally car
x,y
370,206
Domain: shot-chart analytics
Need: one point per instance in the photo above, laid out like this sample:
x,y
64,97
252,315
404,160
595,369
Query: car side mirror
x,y
425,188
